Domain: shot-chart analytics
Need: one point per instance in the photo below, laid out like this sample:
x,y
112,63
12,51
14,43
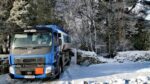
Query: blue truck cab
x,y
39,52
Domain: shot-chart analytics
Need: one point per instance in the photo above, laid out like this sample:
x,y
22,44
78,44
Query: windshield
x,y
32,40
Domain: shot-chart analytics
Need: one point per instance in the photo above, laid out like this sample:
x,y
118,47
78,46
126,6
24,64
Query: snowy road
x,y
98,70
74,72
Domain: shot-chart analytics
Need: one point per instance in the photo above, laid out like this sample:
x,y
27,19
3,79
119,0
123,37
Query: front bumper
x,y
15,76
48,72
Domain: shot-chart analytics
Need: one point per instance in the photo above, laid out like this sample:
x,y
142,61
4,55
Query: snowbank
x,y
133,56
88,57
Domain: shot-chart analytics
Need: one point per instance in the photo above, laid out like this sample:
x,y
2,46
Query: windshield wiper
x,y
35,47
20,48
39,47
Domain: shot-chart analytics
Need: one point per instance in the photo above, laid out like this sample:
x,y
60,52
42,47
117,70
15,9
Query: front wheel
x,y
1,50
11,76
59,70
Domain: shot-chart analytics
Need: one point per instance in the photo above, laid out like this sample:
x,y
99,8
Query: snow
x,y
147,17
86,58
121,57
147,0
112,72
139,7
144,70
133,56
87,53
98,70
106,60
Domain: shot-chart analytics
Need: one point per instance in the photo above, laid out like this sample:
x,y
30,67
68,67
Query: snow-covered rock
x,y
87,58
87,53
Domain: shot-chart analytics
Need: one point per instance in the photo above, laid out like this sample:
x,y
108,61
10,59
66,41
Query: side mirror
x,y
59,35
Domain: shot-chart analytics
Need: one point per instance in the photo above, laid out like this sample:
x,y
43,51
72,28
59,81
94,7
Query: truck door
x,y
56,45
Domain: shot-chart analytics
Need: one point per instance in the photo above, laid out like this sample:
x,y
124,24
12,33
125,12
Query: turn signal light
x,y
39,71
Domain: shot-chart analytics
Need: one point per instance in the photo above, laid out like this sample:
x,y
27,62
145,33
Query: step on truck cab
x,y
39,52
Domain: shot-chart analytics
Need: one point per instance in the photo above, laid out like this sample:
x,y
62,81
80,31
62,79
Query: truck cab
x,y
39,52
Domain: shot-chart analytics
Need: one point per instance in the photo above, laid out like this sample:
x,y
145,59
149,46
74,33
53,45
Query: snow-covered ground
x,y
105,73
111,73
138,77
98,70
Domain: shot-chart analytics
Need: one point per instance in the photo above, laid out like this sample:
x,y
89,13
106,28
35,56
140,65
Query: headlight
x,y
48,69
11,70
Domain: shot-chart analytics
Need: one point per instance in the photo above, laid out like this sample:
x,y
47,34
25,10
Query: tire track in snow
x,y
66,76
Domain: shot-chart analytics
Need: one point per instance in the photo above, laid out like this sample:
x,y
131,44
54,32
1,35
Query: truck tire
x,y
71,53
59,71
1,50
68,63
11,76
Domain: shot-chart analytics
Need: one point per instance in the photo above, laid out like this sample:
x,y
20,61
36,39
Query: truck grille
x,y
29,60
27,69
26,66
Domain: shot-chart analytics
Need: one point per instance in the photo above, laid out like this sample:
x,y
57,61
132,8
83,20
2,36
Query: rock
x,y
83,59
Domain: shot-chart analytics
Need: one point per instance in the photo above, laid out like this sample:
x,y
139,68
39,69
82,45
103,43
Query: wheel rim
x,y
59,69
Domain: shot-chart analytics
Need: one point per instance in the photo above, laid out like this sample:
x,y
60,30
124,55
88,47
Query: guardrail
x,y
4,65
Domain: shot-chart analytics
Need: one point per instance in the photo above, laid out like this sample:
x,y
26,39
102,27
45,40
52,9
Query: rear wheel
x,y
69,61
